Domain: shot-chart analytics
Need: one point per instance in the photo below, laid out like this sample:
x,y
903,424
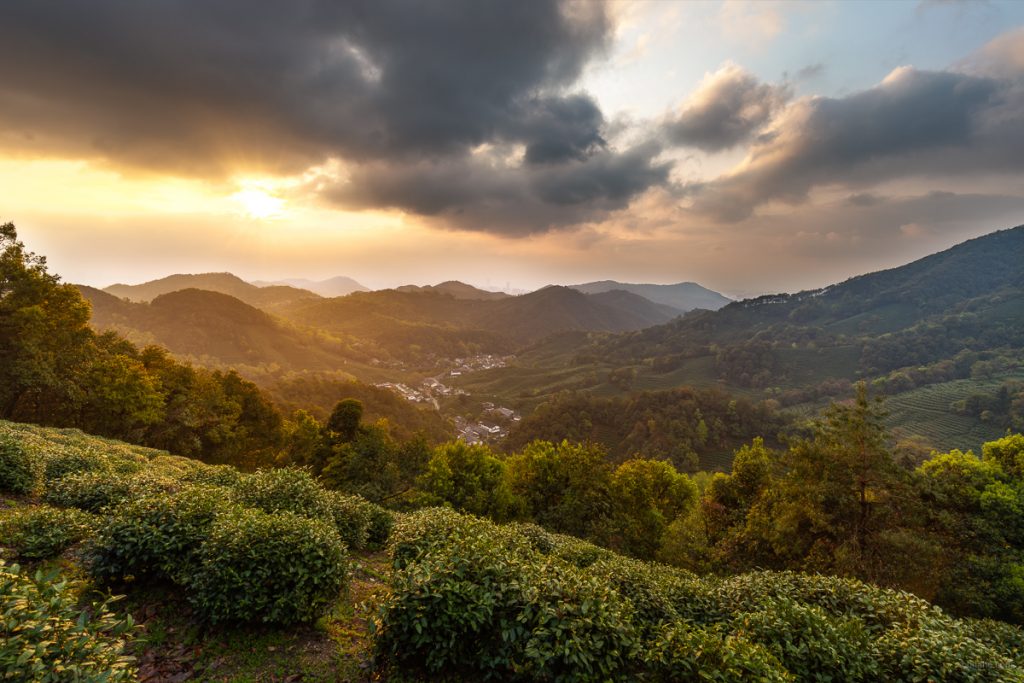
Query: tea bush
x,y
156,535
682,653
382,521
60,462
271,568
45,637
40,532
473,598
90,491
21,469
477,600
811,645
351,516
289,489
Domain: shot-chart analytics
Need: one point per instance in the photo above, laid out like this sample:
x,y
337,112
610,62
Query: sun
x,y
259,204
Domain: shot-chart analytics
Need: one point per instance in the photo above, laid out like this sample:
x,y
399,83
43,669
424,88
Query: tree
x,y
344,420
647,496
470,478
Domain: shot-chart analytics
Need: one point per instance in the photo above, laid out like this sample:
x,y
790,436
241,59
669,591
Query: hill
x,y
456,289
335,286
215,328
683,296
425,323
225,283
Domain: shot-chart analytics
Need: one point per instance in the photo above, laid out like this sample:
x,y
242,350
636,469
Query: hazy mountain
x,y
335,286
213,326
683,296
457,290
225,283
435,322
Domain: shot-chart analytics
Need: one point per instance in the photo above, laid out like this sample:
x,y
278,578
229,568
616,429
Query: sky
x,y
752,147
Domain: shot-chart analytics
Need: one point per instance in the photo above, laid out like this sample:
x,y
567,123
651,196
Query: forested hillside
x,y
268,297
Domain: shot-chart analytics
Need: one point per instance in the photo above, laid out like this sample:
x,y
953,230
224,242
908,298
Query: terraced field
x,y
925,411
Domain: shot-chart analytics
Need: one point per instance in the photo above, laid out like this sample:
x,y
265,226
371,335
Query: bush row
x,y
516,603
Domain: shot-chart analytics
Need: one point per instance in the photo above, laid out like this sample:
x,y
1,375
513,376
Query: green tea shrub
x,y
538,537
21,469
289,489
40,531
474,599
1006,639
268,568
90,491
63,461
46,638
681,653
156,535
933,652
382,521
351,516
811,644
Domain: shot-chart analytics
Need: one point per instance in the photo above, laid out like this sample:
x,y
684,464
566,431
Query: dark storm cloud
x,y
192,84
726,110
405,93
481,192
913,124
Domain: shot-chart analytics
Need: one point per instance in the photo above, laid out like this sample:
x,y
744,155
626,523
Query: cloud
x,y
914,124
203,86
460,109
485,192
728,107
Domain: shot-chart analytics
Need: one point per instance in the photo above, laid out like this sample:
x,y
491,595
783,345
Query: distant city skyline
x,y
750,147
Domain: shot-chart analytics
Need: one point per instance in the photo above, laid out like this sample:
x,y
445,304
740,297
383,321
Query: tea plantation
x,y
268,554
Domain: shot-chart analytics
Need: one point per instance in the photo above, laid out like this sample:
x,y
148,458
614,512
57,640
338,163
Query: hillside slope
x,y
225,283
682,296
217,327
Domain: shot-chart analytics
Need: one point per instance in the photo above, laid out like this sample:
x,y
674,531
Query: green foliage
x,y
290,489
61,462
352,516
21,470
478,601
344,420
811,644
46,637
89,491
39,532
270,568
470,478
156,535
682,653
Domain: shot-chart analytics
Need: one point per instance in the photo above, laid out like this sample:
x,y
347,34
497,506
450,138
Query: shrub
x,y
382,521
45,637
681,653
21,470
269,568
474,599
810,644
156,535
351,516
90,491
937,653
40,532
60,462
288,489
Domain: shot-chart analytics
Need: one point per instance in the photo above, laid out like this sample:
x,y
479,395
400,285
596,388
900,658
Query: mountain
x,y
683,296
429,322
225,283
335,286
457,290
215,328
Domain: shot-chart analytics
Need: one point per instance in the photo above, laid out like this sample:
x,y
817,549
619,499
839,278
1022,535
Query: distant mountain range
x,y
335,286
683,296
224,283
456,289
